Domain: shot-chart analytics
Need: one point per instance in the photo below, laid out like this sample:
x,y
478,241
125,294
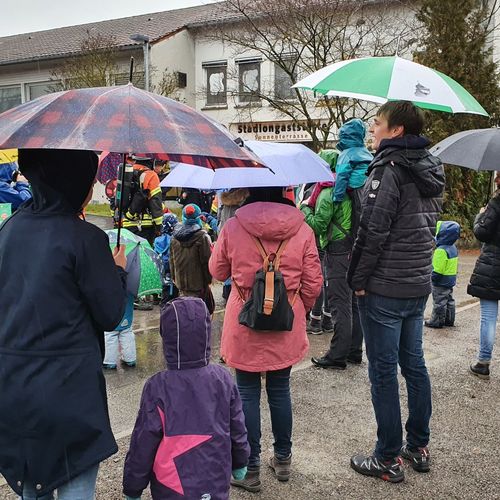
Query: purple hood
x,y
186,333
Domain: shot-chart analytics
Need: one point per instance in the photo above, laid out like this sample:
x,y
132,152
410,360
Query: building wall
x,y
176,53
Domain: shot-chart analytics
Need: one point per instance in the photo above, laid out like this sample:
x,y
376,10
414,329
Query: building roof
x,y
61,42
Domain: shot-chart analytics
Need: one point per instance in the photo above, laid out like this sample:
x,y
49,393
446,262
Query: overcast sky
x,y
22,16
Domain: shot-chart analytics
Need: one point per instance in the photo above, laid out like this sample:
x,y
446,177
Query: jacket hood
x,y
352,135
60,179
6,171
187,234
234,197
447,232
330,156
409,152
270,221
186,332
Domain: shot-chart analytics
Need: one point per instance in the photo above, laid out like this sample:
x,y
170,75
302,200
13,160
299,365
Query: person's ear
x,y
397,131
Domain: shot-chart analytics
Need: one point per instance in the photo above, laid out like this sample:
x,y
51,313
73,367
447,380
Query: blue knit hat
x,y
191,215
168,223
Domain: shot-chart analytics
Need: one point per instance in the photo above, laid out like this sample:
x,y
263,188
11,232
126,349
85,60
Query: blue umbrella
x,y
290,164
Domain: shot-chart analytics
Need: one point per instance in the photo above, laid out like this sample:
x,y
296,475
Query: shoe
x,y
130,364
369,465
251,482
325,362
420,459
281,467
314,327
481,370
432,324
327,324
142,305
448,323
354,360
109,366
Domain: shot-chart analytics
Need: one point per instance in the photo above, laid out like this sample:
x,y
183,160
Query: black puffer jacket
x,y
485,280
392,255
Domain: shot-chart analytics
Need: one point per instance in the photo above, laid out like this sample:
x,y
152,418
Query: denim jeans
x,y
393,334
125,340
81,487
489,314
280,405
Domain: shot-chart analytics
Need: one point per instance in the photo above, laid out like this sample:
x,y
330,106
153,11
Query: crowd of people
x,y
357,257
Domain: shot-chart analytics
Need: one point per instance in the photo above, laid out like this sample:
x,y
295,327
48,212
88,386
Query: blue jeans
x,y
280,405
489,314
125,340
81,487
393,334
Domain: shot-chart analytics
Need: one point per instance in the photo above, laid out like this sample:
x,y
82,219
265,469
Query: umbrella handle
x,y
119,192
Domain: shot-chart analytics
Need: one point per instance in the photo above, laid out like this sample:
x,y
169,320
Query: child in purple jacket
x,y
190,432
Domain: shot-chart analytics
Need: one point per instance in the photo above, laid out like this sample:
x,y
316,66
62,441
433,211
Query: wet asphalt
x,y
333,417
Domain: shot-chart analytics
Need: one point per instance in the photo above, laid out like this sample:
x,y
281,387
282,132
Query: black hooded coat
x,y
59,290
401,202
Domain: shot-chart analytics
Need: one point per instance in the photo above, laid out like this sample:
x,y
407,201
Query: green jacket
x,y
320,219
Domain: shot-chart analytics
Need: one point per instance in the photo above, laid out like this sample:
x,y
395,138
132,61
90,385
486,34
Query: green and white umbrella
x,y
381,79
143,264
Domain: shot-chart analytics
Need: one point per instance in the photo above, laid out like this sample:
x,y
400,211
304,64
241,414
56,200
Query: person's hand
x,y
119,256
21,178
482,209
360,293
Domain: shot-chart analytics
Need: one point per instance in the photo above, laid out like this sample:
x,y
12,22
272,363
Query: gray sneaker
x,y
251,481
314,327
281,467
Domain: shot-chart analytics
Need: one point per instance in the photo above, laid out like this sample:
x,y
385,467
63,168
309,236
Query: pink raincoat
x,y
235,255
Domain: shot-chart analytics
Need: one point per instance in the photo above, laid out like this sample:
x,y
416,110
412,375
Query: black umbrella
x,y
476,149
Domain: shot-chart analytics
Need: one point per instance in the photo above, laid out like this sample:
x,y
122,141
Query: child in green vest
x,y
444,274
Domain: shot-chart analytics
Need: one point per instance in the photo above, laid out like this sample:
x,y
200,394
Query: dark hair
x,y
272,194
403,113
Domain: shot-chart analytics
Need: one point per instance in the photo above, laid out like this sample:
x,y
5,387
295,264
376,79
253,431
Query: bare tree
x,y
168,85
92,67
300,37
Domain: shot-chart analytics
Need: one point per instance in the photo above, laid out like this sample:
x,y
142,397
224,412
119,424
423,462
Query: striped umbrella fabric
x,y
382,79
122,119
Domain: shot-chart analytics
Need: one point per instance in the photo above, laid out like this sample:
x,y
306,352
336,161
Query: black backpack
x,y
267,308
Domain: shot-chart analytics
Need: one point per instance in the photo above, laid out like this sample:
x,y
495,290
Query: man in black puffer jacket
x,y
390,272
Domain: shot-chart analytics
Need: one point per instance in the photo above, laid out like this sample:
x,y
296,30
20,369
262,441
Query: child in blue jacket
x,y
353,160
162,248
444,274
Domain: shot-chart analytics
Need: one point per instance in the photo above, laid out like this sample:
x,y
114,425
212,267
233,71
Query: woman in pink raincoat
x,y
268,216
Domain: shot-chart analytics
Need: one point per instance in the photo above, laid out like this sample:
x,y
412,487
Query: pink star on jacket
x,y
171,447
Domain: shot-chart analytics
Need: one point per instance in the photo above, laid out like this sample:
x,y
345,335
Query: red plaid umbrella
x,y
122,119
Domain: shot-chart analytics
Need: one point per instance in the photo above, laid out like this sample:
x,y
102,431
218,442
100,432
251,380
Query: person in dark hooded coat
x,y
60,290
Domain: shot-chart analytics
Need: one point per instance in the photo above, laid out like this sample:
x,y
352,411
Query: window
x,y
43,88
216,83
249,81
9,97
283,81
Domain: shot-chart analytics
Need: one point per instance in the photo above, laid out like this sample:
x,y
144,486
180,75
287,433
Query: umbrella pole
x,y
119,191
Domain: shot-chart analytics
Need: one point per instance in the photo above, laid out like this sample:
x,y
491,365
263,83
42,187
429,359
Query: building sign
x,y
278,131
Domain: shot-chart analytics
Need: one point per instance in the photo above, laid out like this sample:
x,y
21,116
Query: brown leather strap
x,y
260,247
296,294
269,294
238,289
279,252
